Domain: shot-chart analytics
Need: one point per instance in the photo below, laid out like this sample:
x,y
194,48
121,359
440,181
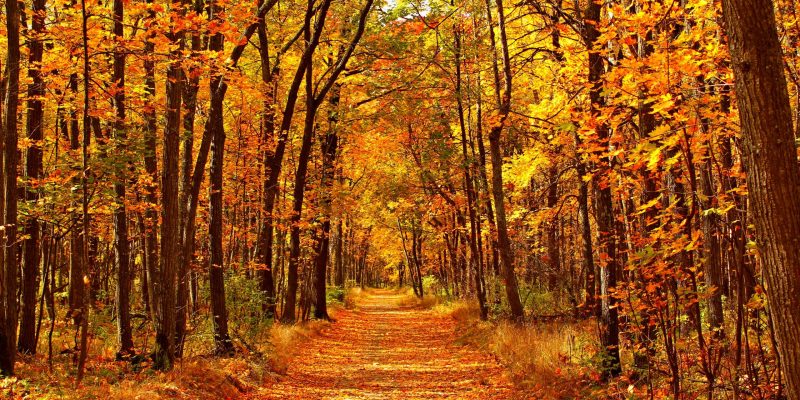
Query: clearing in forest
x,y
386,350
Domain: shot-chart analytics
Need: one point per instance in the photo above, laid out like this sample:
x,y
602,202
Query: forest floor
x,y
387,349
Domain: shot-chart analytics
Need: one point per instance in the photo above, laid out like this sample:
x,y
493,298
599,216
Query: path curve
x,y
383,350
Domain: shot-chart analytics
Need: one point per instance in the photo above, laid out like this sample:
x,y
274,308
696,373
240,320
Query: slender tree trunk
x,y
190,89
339,261
587,249
121,241
604,204
313,101
475,254
86,279
150,226
298,195
504,108
553,251
329,146
222,341
265,241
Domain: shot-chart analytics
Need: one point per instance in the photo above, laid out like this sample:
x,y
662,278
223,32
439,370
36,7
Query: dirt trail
x,y
382,350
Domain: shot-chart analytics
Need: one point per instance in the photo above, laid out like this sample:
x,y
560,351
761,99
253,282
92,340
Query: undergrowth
x,y
197,375
548,360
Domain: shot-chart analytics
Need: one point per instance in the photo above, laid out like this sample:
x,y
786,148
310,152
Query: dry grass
x,y
353,296
411,300
549,360
284,340
461,311
221,379
194,376
229,378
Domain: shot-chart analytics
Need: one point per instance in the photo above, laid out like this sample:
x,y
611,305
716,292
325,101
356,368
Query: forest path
x,y
384,350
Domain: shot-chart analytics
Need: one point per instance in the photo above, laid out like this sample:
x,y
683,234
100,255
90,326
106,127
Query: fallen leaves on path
x,y
382,350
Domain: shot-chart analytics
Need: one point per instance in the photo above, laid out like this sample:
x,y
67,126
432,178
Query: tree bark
x,y
504,108
121,241
164,351
604,203
31,250
773,178
329,150
151,169
222,341
8,209
191,86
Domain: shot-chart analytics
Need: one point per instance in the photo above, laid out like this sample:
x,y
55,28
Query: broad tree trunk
x,y
8,203
164,351
773,178
31,250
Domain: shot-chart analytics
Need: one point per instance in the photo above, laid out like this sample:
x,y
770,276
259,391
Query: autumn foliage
x,y
613,181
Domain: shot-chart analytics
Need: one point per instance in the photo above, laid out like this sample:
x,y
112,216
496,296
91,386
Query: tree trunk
x,y
164,351
604,206
504,108
475,233
192,83
329,149
265,240
121,241
8,209
151,169
298,195
31,251
222,341
773,178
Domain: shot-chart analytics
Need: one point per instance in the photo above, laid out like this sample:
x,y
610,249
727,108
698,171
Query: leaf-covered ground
x,y
386,350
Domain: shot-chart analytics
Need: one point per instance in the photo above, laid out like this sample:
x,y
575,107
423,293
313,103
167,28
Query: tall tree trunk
x,y
329,148
338,263
313,101
587,248
31,250
151,169
298,195
265,242
504,108
8,209
121,241
86,279
467,166
604,203
553,251
187,191
222,341
164,351
773,178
